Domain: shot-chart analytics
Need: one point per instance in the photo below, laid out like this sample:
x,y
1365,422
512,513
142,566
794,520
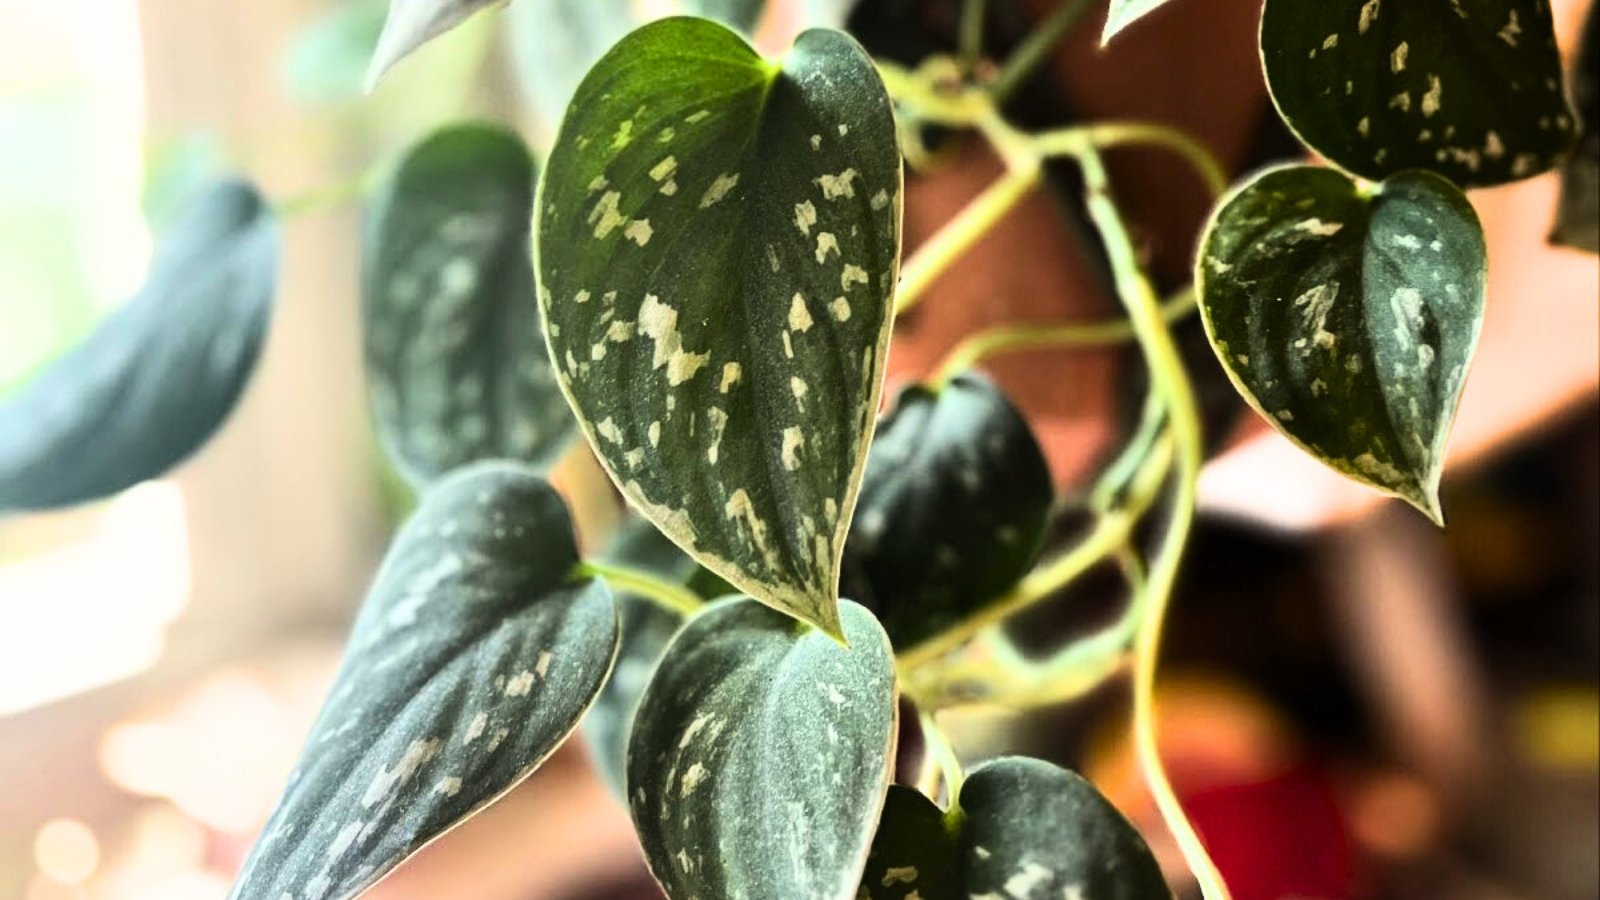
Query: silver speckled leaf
x,y
474,656
761,753
456,363
1348,317
717,243
1471,89
914,854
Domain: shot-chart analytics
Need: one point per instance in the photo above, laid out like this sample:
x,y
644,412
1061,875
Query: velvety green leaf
x,y
953,508
761,753
457,367
412,23
1578,218
647,628
1470,89
474,655
914,855
717,242
1348,317
1033,831
1124,13
158,377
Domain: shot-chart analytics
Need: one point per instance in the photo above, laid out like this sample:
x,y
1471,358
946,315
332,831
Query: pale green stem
x,y
333,195
971,40
1036,48
665,594
1113,482
939,759
1109,135
959,235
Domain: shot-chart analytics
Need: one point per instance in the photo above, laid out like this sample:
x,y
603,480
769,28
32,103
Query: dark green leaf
x,y
952,511
1470,89
457,366
717,242
1033,831
1348,317
647,628
1124,13
1578,219
412,23
914,855
474,655
761,753
160,375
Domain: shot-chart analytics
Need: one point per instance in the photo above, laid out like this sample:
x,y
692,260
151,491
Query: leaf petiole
x,y
663,593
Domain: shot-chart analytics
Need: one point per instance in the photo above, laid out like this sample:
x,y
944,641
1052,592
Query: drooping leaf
x,y
647,628
455,359
717,242
1034,831
1348,317
953,508
761,753
153,382
412,23
474,655
914,855
1124,13
1471,89
1578,217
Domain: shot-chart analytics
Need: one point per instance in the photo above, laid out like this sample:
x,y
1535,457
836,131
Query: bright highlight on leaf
x,y
474,655
1349,318
455,358
717,243
761,753
159,376
1471,89
412,23
1124,13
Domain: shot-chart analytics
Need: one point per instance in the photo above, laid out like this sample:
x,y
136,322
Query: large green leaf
x,y
647,628
953,508
412,23
717,242
1578,218
1348,317
1033,831
474,655
456,363
1123,13
158,377
914,854
1471,89
761,753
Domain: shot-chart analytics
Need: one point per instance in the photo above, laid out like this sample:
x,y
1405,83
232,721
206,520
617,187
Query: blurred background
x,y
1354,705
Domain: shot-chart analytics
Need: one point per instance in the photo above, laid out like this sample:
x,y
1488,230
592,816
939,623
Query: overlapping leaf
x,y
953,508
412,23
474,655
717,242
159,376
1348,318
761,753
914,855
455,358
1471,89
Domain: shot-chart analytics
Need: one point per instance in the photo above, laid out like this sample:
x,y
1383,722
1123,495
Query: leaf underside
x,y
455,359
1578,217
158,377
1471,89
717,243
761,753
952,511
412,23
474,655
1347,320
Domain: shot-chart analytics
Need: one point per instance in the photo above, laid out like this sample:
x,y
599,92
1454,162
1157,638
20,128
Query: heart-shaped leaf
x,y
717,242
1124,13
953,508
1578,217
456,363
914,855
412,23
1348,317
474,655
1034,831
159,376
1470,89
647,628
760,755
